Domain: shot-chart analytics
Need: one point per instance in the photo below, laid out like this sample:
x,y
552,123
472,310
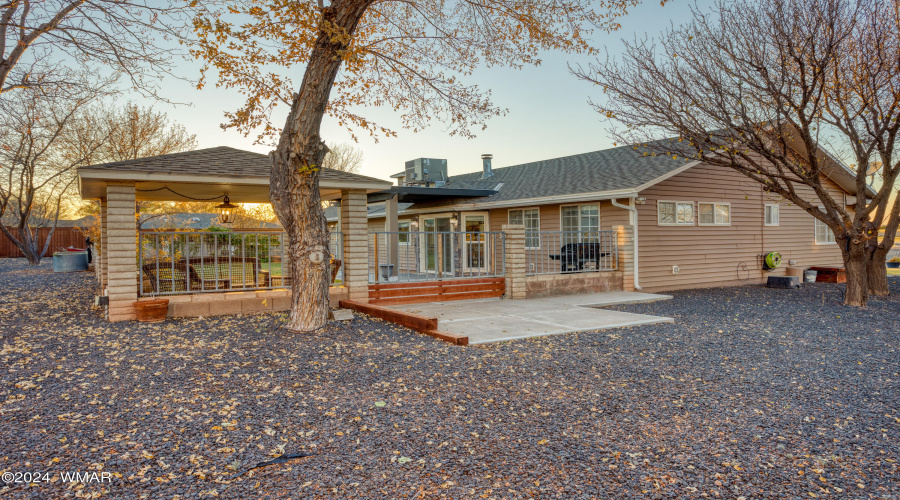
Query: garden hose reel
x,y
771,261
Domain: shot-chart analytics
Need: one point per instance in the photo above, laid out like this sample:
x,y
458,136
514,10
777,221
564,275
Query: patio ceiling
x,y
208,173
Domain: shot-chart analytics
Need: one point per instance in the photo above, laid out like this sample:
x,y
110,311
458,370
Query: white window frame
x,y
816,223
579,205
533,238
715,206
401,224
777,211
570,238
676,223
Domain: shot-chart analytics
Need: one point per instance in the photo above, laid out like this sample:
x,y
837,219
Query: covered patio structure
x,y
188,267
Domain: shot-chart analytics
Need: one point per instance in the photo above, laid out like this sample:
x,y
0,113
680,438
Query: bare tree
x,y
344,157
408,55
38,169
138,132
53,44
44,140
761,88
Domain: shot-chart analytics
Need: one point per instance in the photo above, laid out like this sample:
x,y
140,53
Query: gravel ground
x,y
751,393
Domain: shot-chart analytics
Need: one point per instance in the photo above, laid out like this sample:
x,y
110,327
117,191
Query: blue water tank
x,y
70,262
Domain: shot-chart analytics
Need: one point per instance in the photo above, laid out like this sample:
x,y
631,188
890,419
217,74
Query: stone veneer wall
x,y
548,285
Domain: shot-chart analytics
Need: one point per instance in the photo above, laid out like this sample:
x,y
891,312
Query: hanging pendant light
x,y
226,211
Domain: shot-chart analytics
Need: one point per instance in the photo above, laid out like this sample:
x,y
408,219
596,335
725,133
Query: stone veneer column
x,y
515,261
355,226
120,250
101,261
626,255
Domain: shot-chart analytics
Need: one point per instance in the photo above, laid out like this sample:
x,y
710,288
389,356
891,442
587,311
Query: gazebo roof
x,y
244,175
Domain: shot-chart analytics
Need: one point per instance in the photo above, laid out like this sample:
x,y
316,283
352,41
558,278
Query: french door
x,y
475,244
437,245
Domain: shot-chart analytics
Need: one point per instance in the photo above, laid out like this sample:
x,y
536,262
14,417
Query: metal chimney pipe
x,y
486,161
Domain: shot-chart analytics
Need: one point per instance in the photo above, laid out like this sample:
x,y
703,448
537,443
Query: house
x,y
607,220
691,224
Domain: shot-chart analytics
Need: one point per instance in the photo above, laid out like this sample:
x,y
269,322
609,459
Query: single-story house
x,y
694,224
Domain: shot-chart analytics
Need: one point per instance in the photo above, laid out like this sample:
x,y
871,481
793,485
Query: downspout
x,y
633,216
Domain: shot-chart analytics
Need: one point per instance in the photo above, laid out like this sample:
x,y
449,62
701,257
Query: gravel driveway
x,y
751,393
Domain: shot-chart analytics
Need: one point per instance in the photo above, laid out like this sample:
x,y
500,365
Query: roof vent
x,y
486,161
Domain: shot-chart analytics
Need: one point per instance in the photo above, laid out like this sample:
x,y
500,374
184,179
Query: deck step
x,y
421,324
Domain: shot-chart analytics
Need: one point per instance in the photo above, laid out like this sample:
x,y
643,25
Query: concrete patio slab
x,y
497,320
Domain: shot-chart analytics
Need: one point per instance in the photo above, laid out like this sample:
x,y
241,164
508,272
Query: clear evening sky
x,y
548,114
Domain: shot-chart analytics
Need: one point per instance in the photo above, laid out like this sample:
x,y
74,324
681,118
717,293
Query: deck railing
x,y
189,262
410,256
556,252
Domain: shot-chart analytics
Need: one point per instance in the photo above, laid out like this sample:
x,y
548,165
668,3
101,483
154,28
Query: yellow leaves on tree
x,y
409,56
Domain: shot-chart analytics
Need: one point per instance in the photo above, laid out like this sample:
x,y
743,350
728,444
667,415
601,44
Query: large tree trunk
x,y
294,189
855,265
877,272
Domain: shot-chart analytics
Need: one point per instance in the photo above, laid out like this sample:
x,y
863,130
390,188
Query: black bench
x,y
577,254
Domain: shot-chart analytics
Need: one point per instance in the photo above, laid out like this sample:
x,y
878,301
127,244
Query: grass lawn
x,y
751,392
893,272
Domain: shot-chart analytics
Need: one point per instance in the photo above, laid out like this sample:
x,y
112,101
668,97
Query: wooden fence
x,y
62,237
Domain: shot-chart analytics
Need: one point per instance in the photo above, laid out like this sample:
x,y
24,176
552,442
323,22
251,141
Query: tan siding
x,y
714,255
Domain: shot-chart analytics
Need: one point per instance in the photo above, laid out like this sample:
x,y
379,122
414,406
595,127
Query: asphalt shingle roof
x,y
620,168
222,160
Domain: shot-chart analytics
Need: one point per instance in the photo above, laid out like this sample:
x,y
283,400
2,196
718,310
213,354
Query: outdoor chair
x,y
241,272
167,277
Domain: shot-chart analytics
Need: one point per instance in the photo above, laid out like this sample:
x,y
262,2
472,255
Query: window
x,y
675,213
824,234
403,227
531,219
714,214
771,215
583,221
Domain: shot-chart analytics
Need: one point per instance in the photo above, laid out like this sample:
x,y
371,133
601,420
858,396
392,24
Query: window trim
x,y
714,204
816,236
777,215
676,223
579,205
538,247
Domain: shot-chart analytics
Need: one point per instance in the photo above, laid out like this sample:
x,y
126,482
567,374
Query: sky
x,y
548,111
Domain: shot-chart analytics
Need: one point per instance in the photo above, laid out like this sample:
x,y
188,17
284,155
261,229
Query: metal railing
x,y
189,262
409,256
556,252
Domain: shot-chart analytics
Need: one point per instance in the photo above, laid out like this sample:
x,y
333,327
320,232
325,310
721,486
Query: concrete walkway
x,y
496,320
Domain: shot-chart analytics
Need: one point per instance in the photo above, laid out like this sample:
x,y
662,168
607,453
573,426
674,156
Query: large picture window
x,y
531,219
675,213
583,221
714,214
